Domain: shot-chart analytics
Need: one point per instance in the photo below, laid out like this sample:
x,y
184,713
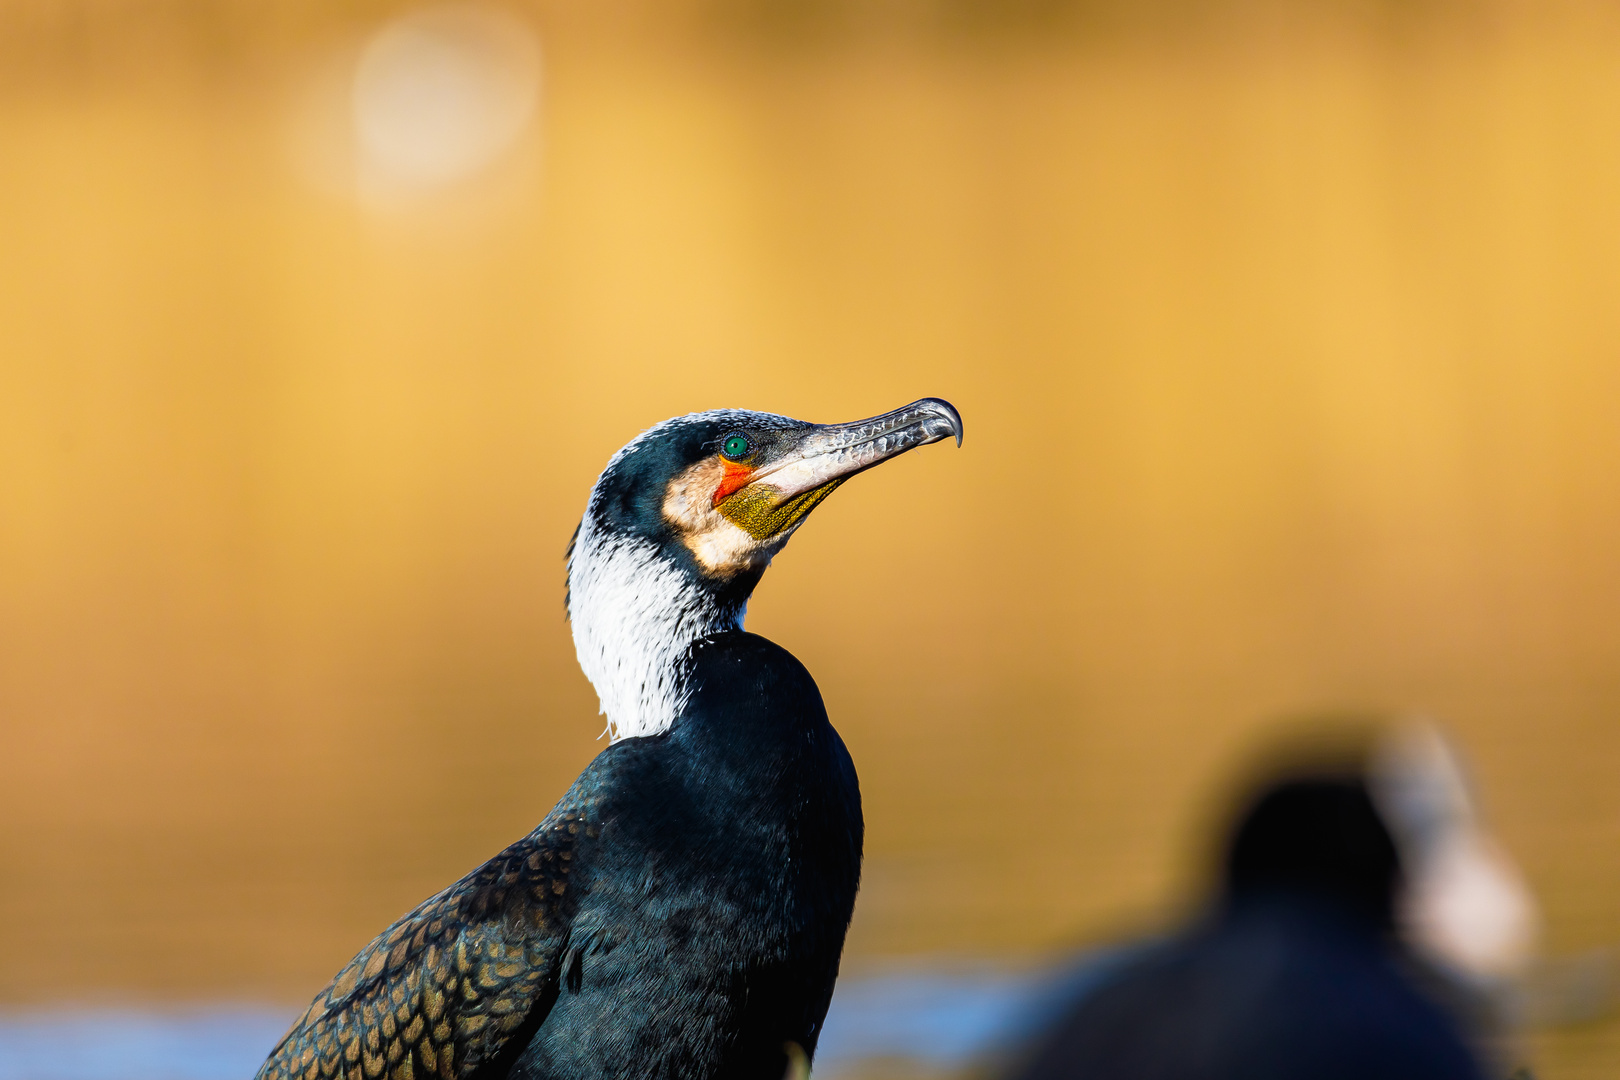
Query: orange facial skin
x,y
736,477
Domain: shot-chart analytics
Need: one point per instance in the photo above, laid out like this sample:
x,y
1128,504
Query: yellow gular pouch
x,y
762,513
745,528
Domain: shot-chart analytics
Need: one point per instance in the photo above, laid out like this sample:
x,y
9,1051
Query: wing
x,y
445,988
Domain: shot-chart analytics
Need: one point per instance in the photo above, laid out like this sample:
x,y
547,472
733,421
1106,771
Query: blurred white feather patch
x,y
1465,906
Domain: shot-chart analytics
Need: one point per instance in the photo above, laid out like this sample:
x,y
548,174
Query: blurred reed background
x,y
1286,335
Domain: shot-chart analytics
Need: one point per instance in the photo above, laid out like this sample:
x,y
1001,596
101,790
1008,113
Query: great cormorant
x,y
681,911
1297,974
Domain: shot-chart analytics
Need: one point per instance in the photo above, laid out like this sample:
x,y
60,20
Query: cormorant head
x,y
682,523
1319,837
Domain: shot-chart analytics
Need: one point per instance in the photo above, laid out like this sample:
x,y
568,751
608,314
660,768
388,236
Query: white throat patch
x,y
635,617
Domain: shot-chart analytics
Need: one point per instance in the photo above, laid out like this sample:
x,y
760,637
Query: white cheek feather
x,y
635,617
716,542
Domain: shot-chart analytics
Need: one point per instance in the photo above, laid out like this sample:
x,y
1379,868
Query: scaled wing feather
x,y
442,991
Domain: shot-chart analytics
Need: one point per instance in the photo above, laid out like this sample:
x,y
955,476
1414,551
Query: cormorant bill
x,y
681,911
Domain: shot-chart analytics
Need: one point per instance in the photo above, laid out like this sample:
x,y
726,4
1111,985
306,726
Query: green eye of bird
x,y
736,446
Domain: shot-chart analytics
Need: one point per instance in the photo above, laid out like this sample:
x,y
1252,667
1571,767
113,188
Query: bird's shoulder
x,y
444,989
749,669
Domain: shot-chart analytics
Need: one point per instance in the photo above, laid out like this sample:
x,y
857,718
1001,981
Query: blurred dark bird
x,y
681,912
1296,976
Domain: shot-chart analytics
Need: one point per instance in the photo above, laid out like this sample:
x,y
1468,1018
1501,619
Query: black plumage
x,y
1295,976
682,909
731,845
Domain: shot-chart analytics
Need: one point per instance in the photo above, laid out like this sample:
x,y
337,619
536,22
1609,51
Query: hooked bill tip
x,y
948,413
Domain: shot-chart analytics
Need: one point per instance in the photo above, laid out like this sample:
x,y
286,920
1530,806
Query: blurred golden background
x,y
1286,336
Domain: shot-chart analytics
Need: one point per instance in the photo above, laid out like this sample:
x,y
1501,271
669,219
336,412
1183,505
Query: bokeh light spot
x,y
441,93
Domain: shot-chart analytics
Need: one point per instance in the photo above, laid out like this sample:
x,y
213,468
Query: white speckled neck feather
x,y
635,616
